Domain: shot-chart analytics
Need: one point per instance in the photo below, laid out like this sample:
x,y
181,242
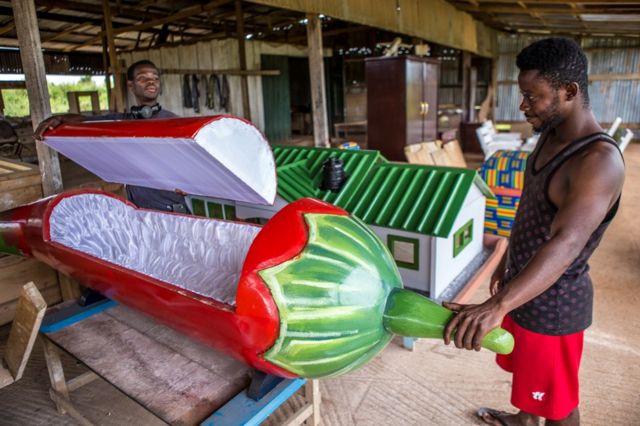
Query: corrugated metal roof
x,y
410,197
357,164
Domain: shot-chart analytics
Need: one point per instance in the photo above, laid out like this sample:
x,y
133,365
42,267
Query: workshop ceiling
x,y
579,18
77,25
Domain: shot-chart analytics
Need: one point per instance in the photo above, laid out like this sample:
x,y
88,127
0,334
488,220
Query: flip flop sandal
x,y
495,414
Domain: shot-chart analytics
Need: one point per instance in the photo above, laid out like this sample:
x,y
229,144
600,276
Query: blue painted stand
x,y
243,410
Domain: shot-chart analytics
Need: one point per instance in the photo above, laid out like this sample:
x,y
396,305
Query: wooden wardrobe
x,y
402,103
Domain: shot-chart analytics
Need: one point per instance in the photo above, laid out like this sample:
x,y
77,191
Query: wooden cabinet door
x,y
430,98
414,72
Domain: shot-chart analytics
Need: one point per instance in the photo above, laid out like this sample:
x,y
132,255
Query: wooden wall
x,y
213,55
20,183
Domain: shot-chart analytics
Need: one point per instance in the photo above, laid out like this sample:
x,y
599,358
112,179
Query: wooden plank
x,y
44,277
313,396
316,72
81,380
162,376
24,13
16,270
16,166
300,416
24,330
5,376
66,406
19,196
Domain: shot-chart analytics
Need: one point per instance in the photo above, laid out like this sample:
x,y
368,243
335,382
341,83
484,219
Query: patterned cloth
x,y
565,307
505,169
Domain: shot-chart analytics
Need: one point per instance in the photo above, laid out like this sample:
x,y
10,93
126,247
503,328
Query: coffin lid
x,y
220,156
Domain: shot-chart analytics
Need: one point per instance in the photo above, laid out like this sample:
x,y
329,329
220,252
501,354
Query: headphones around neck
x,y
144,111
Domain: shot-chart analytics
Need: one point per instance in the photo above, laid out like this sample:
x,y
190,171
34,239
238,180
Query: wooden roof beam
x,y
124,12
534,2
8,27
186,13
531,8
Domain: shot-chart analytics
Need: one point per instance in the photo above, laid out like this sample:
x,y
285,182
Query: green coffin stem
x,y
412,315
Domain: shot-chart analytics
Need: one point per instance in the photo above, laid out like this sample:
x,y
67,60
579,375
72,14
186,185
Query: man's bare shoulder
x,y
599,161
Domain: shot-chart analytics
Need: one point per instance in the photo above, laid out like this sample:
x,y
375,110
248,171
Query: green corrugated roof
x,y
293,182
415,198
411,197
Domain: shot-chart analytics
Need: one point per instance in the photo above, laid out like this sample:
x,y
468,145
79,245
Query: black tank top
x,y
565,307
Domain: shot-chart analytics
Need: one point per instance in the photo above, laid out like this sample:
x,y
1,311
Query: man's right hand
x,y
53,122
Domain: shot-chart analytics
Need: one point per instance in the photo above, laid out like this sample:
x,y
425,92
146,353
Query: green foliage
x,y
16,102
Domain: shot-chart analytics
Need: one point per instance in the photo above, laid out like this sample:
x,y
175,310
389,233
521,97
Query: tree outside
x,y
16,102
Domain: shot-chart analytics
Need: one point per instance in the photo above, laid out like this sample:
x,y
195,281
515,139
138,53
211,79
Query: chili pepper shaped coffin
x,y
313,293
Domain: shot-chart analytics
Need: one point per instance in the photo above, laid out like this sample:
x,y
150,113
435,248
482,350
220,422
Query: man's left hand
x,y
471,323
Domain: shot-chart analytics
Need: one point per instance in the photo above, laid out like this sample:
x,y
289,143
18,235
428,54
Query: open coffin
x,y
313,293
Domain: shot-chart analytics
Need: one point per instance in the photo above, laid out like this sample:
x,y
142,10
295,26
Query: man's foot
x,y
501,418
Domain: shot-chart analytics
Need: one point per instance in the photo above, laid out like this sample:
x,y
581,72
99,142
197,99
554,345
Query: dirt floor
x,y
435,384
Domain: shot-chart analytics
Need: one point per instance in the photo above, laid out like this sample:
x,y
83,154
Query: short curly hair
x,y
132,68
560,61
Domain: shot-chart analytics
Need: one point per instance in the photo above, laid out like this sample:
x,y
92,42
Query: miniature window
x,y
197,207
462,238
215,210
229,212
404,251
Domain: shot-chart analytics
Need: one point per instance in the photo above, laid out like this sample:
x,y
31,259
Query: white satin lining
x,y
201,255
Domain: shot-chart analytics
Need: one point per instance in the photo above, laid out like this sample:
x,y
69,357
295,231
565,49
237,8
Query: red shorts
x,y
545,371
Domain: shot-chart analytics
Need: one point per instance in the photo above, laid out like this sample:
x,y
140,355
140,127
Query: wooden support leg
x,y
61,401
56,374
313,397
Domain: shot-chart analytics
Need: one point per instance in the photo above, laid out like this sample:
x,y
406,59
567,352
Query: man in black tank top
x,y
541,291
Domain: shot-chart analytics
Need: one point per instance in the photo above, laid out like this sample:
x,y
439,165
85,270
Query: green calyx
x,y
341,300
331,298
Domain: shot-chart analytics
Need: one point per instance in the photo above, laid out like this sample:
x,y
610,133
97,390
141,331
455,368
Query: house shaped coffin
x,y
430,217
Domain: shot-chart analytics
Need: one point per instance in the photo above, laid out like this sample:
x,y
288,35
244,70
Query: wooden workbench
x,y
176,378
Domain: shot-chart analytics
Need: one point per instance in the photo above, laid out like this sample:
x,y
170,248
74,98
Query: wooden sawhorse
x,y
177,379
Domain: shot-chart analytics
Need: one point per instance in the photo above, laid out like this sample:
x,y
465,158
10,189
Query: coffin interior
x,y
204,256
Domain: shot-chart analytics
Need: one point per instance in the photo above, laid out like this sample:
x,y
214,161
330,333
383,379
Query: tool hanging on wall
x,y
195,93
210,91
223,92
186,92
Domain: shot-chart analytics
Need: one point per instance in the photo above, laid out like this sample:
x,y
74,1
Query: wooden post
x,y
24,13
74,102
56,373
113,60
244,84
473,85
316,72
465,66
107,75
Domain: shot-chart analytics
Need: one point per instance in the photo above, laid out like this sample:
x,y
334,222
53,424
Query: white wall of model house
x,y
446,266
420,278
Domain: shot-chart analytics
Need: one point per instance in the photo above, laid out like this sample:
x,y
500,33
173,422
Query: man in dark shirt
x,y
143,80
542,292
